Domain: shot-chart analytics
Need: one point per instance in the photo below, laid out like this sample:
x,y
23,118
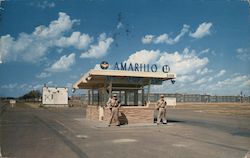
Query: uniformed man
x,y
162,109
114,105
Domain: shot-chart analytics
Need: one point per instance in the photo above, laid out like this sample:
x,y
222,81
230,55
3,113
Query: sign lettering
x,y
140,67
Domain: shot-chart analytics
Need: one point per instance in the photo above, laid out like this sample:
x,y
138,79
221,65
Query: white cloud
x,y
1,8
185,63
202,30
99,50
246,1
28,87
221,73
44,4
37,87
56,27
180,63
193,73
232,85
234,81
164,38
201,81
73,77
69,85
78,40
243,54
205,51
119,25
182,33
147,39
185,78
144,57
9,86
97,67
18,89
203,71
63,64
208,78
43,75
59,50
32,47
6,43
50,83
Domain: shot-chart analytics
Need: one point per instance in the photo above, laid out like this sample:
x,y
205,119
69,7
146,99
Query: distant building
x,y
55,97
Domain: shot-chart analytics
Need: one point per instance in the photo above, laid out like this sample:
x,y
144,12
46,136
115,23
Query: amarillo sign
x,y
136,67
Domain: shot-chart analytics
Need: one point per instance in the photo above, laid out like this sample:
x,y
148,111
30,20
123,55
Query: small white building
x,y
55,97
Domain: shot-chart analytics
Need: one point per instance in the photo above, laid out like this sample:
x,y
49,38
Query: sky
x,y
205,42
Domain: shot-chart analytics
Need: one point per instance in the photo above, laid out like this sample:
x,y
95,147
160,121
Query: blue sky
x,y
206,43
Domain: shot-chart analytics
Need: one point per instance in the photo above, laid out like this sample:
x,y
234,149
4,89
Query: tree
x,y
32,95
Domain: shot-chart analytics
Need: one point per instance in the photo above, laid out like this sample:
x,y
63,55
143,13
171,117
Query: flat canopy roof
x,y
120,78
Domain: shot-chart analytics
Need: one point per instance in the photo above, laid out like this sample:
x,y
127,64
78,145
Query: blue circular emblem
x,y
104,65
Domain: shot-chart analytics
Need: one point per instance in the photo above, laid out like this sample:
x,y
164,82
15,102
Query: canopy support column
x,y
142,97
92,96
110,89
89,97
149,85
136,97
126,97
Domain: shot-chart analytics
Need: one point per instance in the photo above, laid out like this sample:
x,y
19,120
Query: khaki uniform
x,y
114,106
162,107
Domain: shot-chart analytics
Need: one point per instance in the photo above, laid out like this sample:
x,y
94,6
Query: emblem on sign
x,y
104,65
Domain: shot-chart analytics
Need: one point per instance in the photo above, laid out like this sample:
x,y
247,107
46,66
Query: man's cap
x,y
162,96
114,95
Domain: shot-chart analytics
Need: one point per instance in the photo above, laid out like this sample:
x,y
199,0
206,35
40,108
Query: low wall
x,y
92,112
55,105
128,114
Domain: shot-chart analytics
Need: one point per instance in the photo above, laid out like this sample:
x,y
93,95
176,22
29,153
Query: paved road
x,y
27,133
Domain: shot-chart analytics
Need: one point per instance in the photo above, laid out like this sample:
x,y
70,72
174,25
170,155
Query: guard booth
x,y
131,87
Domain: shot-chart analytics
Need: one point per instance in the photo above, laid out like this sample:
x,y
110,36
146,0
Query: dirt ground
x,y
242,109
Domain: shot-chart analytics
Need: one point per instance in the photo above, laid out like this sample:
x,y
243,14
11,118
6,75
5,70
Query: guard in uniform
x,y
114,105
162,109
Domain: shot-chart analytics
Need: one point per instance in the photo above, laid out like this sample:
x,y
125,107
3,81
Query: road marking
x,y
46,138
247,154
82,136
181,144
198,111
1,156
79,119
124,140
65,126
62,132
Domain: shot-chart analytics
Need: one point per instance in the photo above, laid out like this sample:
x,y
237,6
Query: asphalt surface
x,y
64,132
